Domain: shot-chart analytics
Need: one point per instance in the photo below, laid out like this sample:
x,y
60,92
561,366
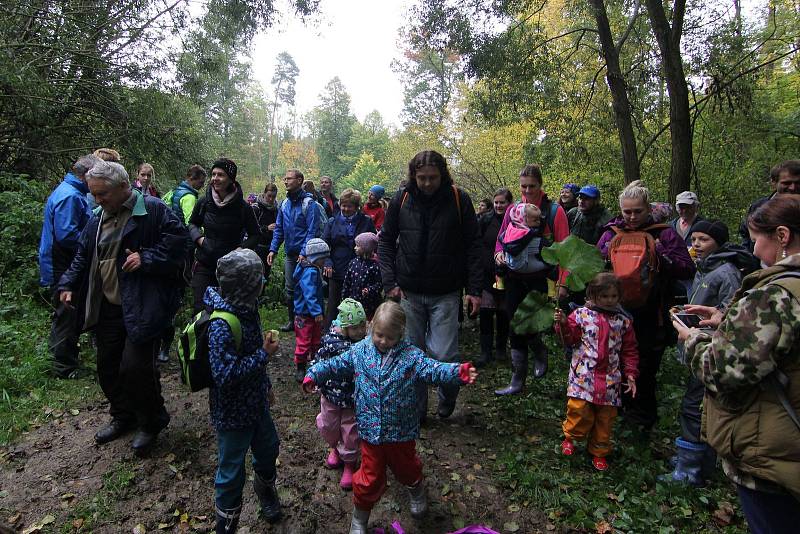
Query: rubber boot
x,y
289,326
486,351
227,520
519,363
501,353
359,523
539,358
689,468
268,497
418,500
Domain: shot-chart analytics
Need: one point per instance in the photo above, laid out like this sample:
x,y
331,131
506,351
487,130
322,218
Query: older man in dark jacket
x,y
124,279
429,251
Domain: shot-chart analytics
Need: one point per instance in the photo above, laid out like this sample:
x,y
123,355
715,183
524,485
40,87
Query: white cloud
x,y
353,39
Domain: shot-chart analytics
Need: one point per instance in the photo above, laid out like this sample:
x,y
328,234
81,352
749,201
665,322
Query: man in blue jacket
x,y
124,281
65,214
296,224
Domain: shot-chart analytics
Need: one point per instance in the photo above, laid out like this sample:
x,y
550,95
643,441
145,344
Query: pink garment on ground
x,y
339,429
308,335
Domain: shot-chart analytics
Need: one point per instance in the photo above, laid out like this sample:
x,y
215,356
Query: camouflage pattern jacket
x,y
743,419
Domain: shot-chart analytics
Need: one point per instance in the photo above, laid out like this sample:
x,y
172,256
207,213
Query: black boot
x,y
486,351
289,326
228,520
501,353
300,372
539,358
268,496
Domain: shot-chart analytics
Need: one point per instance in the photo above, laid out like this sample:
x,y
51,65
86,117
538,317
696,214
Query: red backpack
x,y
633,258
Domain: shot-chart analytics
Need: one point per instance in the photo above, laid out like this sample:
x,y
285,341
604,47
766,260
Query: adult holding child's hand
x,y
750,417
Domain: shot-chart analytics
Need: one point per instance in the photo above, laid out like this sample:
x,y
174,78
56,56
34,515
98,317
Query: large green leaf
x,y
534,314
582,260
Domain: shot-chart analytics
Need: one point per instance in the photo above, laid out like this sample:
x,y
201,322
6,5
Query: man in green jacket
x,y
183,198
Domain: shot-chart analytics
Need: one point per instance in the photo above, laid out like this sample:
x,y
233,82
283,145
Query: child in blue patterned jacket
x,y
238,395
336,420
386,368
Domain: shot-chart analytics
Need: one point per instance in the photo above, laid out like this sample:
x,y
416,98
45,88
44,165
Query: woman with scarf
x,y
340,234
219,222
518,285
265,208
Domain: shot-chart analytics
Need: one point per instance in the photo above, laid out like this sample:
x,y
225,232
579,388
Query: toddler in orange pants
x,y
603,345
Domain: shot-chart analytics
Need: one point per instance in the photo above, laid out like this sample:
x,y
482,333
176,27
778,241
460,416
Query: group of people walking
x,y
119,272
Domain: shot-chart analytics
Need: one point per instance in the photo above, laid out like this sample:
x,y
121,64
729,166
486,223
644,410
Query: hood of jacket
x,y
241,278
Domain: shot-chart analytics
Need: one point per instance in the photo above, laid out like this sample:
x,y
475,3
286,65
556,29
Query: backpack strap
x,y
233,323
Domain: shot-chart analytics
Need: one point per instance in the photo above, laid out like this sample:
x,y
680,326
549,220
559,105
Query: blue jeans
x,y
769,513
432,325
232,445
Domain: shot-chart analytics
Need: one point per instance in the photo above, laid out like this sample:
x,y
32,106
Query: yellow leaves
x,y
39,525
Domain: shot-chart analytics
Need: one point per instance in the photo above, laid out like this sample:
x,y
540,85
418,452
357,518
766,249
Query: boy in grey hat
x,y
309,305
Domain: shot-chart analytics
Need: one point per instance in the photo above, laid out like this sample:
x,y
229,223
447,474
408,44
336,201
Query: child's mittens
x,y
308,384
467,373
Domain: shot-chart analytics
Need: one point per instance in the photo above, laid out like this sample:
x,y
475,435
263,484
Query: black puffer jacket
x,y
223,227
488,227
426,246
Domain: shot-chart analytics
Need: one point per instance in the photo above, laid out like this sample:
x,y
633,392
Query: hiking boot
x,y
360,522
418,500
346,483
300,372
519,363
268,497
333,461
445,409
163,356
227,520
113,430
143,440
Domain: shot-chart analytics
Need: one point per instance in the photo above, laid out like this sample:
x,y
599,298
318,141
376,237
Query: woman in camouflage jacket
x,y
750,412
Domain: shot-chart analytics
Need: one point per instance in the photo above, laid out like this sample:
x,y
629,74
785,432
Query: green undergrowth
x,y
627,497
98,508
29,395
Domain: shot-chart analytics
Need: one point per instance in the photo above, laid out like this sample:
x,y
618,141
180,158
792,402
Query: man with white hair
x,y
688,206
66,212
124,282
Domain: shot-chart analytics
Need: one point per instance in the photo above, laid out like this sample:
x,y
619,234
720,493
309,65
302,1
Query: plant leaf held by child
x,y
582,260
534,314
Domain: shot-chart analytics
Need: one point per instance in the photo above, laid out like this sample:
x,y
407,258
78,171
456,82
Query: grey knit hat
x,y
241,278
316,249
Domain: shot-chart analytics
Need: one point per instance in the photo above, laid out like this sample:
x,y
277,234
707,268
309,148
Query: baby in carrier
x,y
522,241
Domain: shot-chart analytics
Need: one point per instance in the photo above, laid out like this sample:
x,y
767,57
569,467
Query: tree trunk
x,y
669,44
619,93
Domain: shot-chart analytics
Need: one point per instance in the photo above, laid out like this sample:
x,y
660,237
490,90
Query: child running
x,y
238,394
522,240
337,420
362,282
603,348
386,368
309,305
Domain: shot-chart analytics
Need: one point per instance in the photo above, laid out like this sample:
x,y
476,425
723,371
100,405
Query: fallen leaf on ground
x,y
511,526
602,527
724,514
139,529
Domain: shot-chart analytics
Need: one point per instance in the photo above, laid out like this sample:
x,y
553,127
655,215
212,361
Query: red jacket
x,y
377,214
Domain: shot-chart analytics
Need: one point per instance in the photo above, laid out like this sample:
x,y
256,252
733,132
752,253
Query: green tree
x,y
283,86
331,124
366,172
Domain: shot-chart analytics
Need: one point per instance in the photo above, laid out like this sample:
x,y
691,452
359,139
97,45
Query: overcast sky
x,y
353,39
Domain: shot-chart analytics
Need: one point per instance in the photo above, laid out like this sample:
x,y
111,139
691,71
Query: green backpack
x,y
193,347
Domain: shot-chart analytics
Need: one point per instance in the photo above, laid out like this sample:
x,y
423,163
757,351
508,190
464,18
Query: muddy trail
x,y
55,479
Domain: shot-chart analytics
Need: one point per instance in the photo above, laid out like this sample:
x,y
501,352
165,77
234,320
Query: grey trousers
x,y
432,325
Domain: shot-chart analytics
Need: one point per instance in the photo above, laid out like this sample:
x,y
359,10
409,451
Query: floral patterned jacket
x,y
603,350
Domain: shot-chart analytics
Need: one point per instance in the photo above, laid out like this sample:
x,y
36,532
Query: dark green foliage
x,y
534,314
583,261
21,209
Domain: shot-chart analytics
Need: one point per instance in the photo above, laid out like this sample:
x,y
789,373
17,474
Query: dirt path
x,y
57,478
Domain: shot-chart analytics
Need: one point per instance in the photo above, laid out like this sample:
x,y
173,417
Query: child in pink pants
x,y
337,420
308,304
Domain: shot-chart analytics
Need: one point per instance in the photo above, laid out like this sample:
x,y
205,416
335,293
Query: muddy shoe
x,y
268,497
359,523
300,372
419,500
227,520
346,483
333,461
143,440
113,430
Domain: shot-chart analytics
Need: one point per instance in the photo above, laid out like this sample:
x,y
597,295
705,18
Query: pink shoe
x,y
333,461
346,483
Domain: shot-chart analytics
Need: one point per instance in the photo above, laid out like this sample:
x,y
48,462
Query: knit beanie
x,y
351,313
378,191
317,249
368,242
226,165
716,229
